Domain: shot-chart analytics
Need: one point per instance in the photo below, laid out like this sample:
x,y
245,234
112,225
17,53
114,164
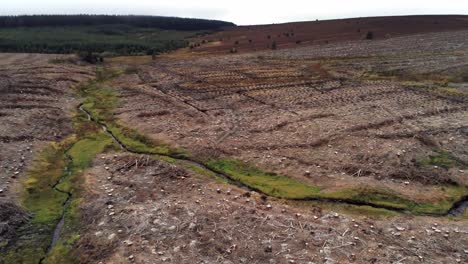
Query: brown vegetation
x,y
290,35
387,114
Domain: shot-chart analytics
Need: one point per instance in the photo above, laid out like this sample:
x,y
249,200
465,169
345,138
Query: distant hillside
x,y
174,23
261,37
109,35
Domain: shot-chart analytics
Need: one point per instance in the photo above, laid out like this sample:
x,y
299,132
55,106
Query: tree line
x,y
108,49
171,23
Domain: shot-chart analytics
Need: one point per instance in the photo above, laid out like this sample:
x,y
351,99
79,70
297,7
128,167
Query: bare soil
x,y
337,116
155,212
36,105
318,114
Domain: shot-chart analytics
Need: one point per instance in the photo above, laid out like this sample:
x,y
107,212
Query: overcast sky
x,y
241,12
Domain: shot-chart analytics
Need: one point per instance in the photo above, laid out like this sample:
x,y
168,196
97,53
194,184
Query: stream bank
x,y
52,188
457,209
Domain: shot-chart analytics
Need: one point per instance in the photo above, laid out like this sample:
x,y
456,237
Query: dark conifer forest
x,y
111,35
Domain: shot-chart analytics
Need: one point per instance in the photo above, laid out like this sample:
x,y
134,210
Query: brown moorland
x,y
289,35
341,119
384,114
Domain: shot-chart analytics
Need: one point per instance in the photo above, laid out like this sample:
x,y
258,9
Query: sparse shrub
x,y
153,52
233,50
298,42
269,37
273,45
250,41
236,43
63,60
370,35
90,57
131,70
13,216
109,54
464,77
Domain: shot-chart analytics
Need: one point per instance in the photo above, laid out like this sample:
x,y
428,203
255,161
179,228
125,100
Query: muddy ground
x,y
336,123
147,211
36,108
363,113
37,102
327,115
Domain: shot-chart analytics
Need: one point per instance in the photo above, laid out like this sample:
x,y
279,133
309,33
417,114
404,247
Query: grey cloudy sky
x,y
241,12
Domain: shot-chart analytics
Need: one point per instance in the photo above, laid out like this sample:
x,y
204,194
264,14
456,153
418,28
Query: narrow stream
x,y
457,209
59,226
192,162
